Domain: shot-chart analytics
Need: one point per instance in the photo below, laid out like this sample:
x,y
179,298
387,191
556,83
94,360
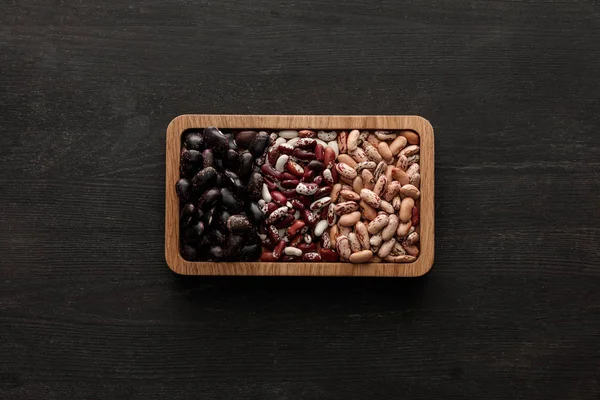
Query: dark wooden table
x,y
88,307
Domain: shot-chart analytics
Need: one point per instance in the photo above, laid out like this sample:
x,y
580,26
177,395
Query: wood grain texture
x,y
317,122
88,308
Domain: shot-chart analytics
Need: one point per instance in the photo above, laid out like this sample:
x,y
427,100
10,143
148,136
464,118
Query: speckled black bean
x,y
208,158
239,224
217,238
232,160
204,179
246,164
193,140
255,184
232,247
254,213
215,140
215,253
190,162
188,214
231,141
194,232
250,253
235,183
259,144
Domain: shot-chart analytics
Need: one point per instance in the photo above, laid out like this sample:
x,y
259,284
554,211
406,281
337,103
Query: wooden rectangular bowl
x,y
316,122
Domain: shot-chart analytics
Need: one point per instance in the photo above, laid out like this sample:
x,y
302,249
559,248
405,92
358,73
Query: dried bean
x,y
320,152
354,242
345,207
357,184
385,152
367,211
328,255
370,165
406,209
346,159
390,230
378,224
398,144
359,155
380,185
306,133
361,257
403,229
384,135
342,140
387,207
362,234
386,248
288,134
352,142
409,150
349,219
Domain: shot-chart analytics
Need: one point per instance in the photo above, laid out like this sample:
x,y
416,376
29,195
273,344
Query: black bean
x,y
188,252
255,184
316,166
215,140
204,179
254,213
244,138
239,224
219,164
220,180
232,160
188,214
235,183
246,164
217,238
219,222
190,162
183,187
250,253
259,144
230,201
194,232
231,140
209,198
193,140
215,253
208,158
232,247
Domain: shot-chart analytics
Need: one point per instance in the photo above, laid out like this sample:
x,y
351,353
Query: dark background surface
x,y
88,307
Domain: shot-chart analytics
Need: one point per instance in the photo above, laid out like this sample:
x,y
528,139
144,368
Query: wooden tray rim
x,y
321,122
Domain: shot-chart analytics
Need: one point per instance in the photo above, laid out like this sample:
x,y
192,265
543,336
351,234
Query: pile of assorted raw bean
x,y
303,196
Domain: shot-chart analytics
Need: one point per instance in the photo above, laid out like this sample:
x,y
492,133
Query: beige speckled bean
x,y
387,207
411,136
342,246
358,155
370,198
412,238
392,190
378,224
368,179
368,212
346,207
411,249
409,150
402,163
372,139
334,232
415,180
335,192
349,195
406,209
401,176
385,135
357,184
410,191
365,165
360,257
380,169
376,259
342,141
362,234
385,152
363,136
380,185
375,240
398,144
400,259
396,201
347,187
353,140
398,250
344,230
346,159
354,243
386,248
345,170
413,169
349,219
390,230
372,152
403,229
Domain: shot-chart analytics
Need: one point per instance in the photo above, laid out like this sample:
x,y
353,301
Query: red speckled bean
x,y
414,219
307,189
289,193
285,222
318,180
290,184
306,143
273,234
303,155
311,257
329,157
334,174
294,168
308,175
269,170
267,257
319,153
295,227
296,240
306,133
286,149
322,192
278,250
307,248
271,207
328,254
309,218
286,176
272,155
270,184
306,200
278,198
297,204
